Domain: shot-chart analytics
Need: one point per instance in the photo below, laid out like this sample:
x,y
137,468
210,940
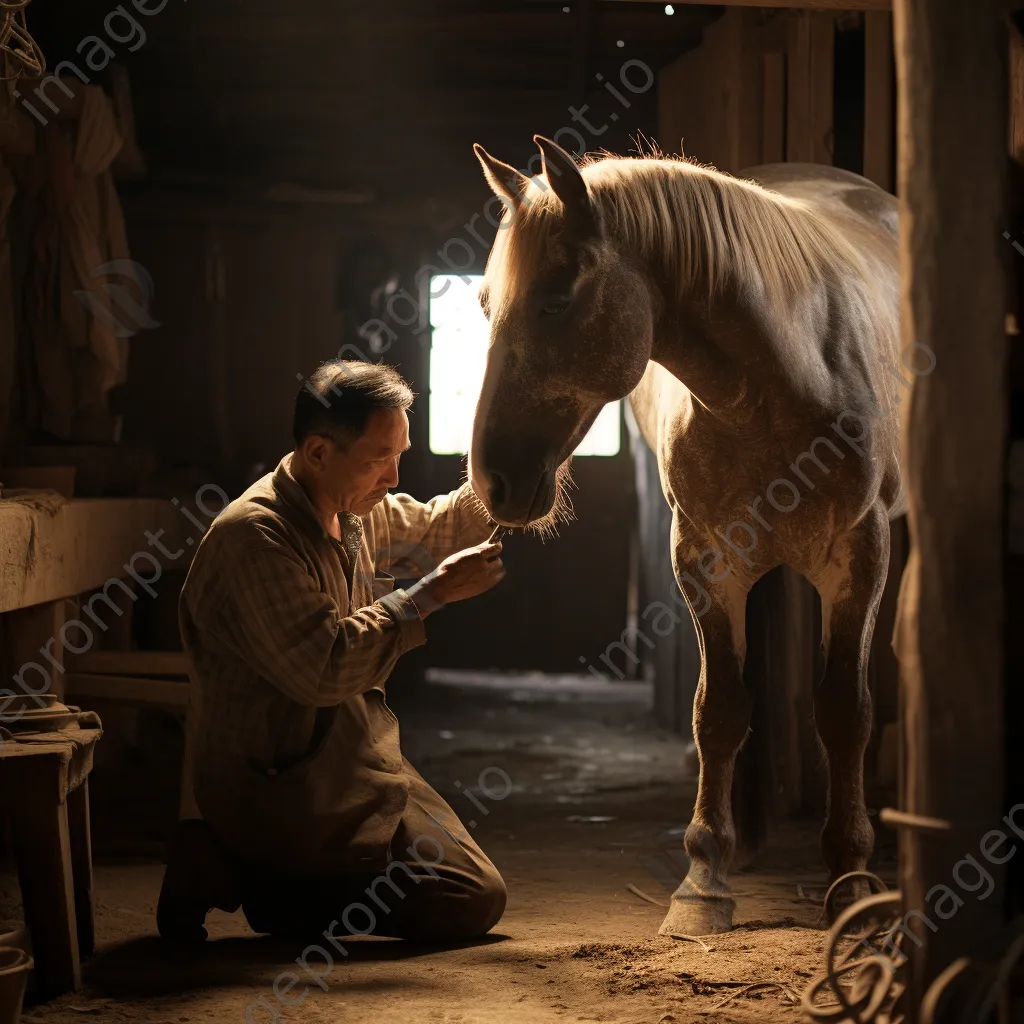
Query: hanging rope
x,y
21,54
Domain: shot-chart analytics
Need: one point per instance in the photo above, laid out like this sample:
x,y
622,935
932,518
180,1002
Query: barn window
x,y
458,354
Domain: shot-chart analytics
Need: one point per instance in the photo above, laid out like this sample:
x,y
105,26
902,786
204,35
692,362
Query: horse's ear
x,y
503,178
566,182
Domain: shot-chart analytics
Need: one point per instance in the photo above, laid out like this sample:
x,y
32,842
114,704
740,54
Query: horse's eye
x,y
556,305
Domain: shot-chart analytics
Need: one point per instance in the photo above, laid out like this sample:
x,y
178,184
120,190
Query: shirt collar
x,y
294,494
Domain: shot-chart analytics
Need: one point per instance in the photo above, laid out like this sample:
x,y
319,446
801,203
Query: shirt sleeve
x,y
289,632
421,535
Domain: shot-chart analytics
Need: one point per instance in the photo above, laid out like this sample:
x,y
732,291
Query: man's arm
x,y
423,534
278,621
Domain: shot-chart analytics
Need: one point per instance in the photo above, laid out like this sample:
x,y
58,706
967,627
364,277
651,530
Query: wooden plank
x,y
129,663
773,120
728,35
683,101
127,689
821,81
953,99
879,103
798,85
1016,94
82,546
750,117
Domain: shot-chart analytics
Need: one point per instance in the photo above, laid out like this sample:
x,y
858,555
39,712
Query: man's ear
x,y
315,450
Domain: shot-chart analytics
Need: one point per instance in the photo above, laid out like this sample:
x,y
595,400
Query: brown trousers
x,y
438,885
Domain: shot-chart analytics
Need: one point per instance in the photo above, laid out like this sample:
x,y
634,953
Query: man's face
x,y
356,477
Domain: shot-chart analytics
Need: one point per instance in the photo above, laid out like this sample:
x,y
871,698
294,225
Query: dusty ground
x,y
575,943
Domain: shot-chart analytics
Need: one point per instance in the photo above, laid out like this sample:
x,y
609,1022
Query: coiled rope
x,y
861,968
865,958
21,54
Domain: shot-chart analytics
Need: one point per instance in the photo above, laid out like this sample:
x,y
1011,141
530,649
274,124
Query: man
x,y
291,626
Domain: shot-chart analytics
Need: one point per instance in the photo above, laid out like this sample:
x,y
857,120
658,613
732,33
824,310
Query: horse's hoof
x,y
698,915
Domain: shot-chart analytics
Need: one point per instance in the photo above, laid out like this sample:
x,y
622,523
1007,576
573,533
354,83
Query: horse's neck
x,y
718,350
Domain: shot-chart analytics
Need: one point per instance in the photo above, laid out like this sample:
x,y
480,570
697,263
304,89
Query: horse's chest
x,y
746,497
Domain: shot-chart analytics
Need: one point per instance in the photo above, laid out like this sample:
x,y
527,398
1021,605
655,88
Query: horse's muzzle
x,y
515,498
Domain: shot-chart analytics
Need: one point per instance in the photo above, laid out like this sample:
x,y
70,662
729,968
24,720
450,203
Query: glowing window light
x,y
669,9
458,355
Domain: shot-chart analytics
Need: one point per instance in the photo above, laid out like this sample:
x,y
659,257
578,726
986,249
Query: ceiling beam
x,y
809,5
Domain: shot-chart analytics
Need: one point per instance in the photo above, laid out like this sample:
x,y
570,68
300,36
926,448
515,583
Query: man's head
x,y
350,429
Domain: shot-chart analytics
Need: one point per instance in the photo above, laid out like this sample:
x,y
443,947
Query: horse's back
x,y
836,193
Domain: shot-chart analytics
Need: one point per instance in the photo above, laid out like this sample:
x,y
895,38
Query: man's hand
x,y
465,574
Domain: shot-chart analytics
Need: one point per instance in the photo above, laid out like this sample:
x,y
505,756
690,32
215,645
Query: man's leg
x,y
439,886
450,887
200,877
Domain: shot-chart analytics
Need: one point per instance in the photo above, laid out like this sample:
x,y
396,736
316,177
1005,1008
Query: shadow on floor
x,y
148,966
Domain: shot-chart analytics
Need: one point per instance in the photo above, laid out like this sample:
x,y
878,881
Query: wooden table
x,y
44,793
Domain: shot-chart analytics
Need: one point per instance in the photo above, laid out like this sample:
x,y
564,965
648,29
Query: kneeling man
x,y
291,625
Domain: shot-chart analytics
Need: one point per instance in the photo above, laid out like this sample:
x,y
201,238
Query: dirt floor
x,y
597,805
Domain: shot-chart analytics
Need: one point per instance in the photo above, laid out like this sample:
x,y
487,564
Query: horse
x,y
752,323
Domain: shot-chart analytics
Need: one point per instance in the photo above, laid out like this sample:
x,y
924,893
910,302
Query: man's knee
x,y
490,904
469,914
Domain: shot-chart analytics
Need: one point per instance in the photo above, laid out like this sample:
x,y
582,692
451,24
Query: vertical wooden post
x,y
798,71
1017,94
80,836
953,93
821,79
878,99
773,122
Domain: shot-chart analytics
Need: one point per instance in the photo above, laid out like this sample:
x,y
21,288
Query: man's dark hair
x,y
338,400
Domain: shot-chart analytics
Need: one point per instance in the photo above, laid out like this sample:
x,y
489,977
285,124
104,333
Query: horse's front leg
x,y
703,903
851,589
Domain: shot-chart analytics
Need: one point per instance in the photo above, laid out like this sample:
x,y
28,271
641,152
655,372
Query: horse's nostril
x,y
501,489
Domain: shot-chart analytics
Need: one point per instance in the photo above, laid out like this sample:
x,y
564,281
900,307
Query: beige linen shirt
x,y
290,636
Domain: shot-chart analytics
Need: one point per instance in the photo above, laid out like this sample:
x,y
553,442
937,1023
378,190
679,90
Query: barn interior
x,y
204,201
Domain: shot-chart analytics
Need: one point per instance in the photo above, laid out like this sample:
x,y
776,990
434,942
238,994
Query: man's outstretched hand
x,y
467,573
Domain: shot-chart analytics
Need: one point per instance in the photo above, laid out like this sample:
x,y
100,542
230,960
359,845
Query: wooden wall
x,y
761,88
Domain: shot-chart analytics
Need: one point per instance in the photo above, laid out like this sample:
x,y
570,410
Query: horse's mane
x,y
724,229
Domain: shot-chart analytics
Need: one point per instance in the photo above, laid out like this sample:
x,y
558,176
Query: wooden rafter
x,y
808,5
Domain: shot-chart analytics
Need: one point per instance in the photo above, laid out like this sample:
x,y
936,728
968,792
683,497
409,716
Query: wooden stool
x,y
44,792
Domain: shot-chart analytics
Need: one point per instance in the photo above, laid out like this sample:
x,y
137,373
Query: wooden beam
x,y
129,663
879,108
807,5
128,689
953,99
82,546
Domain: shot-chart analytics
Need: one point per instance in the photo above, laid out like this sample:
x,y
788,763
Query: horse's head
x,y
571,329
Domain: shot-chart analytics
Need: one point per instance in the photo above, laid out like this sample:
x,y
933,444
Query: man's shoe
x,y
199,878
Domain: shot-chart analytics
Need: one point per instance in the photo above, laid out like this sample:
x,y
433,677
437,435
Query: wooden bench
x,y
139,678
44,793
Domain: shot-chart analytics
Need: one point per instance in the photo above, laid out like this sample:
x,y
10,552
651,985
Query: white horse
x,y
750,323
